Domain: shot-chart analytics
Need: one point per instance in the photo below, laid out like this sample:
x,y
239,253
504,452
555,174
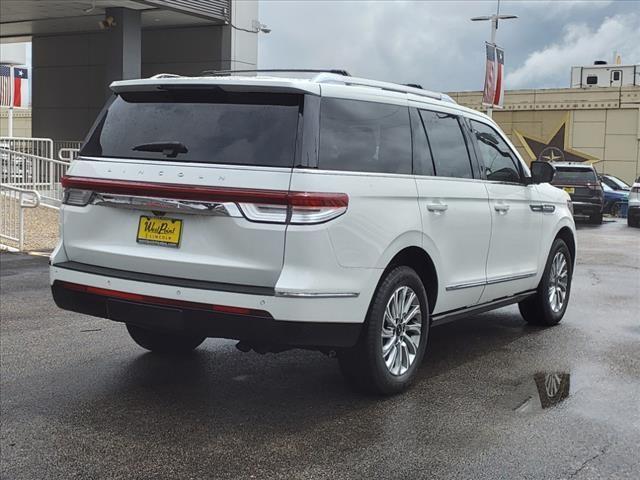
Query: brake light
x,y
267,206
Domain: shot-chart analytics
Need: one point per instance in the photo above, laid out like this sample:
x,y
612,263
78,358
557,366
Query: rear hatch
x,y
580,183
185,182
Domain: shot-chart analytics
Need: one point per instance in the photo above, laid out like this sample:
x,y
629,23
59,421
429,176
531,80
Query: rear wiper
x,y
170,149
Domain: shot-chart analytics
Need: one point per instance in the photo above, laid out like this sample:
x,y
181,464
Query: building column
x,y
123,55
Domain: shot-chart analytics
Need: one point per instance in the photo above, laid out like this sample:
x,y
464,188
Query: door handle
x,y
501,207
437,207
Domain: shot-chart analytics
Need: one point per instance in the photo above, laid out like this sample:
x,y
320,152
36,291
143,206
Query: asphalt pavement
x,y
495,398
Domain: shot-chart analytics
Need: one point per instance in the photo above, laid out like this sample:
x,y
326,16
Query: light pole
x,y
494,28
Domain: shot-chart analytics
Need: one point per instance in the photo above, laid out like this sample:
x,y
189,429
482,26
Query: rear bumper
x,y
586,208
250,328
292,321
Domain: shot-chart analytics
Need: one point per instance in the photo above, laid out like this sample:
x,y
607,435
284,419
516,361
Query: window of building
x,y
496,158
448,145
364,136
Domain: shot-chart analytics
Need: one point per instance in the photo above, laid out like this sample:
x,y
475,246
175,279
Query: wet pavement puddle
x,y
541,391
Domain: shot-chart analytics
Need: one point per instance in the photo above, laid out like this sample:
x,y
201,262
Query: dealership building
x,y
599,125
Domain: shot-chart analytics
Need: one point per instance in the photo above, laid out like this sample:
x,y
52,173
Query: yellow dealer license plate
x,y
569,189
159,231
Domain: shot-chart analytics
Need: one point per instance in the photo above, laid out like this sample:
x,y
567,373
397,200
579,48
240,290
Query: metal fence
x,y
66,150
41,147
34,172
13,201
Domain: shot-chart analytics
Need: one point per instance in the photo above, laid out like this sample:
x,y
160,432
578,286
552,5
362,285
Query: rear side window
x,y
206,126
364,136
422,161
496,157
574,175
448,145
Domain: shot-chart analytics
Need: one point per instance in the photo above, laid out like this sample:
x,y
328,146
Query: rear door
x,y
454,206
186,183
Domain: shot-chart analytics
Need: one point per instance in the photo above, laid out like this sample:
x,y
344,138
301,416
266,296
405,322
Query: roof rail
x,y
340,72
392,87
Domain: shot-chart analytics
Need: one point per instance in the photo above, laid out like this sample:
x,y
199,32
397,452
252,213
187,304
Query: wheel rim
x,y
558,282
401,330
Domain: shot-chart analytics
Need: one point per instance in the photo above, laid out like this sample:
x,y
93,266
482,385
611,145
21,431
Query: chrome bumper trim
x,y
317,294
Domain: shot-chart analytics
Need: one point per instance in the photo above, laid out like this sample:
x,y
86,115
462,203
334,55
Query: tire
x,y
614,210
541,309
596,218
633,221
365,364
164,342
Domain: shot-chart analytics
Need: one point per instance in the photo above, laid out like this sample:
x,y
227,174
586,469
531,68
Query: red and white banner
x,y
498,99
14,86
493,95
489,76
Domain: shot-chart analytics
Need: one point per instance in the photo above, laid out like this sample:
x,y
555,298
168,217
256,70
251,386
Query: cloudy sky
x,y
434,43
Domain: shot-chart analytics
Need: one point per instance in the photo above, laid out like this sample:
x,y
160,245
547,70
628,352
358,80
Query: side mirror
x,y
541,172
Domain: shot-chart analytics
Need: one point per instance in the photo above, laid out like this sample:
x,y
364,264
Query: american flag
x,y
20,83
489,76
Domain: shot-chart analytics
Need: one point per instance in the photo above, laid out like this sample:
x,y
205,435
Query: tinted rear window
x,y
364,136
212,125
574,175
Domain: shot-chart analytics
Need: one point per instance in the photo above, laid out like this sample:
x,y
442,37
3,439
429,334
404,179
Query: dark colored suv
x,y
581,182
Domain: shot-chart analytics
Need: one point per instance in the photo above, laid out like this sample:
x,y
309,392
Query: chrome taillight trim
x,y
168,205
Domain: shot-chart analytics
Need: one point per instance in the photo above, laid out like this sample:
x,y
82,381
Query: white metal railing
x,y
66,154
13,201
42,147
34,172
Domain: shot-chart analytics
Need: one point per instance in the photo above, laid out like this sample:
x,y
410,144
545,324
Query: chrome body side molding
x,y
490,281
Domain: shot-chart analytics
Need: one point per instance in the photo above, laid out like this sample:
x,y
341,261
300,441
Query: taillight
x,y
302,208
76,196
265,206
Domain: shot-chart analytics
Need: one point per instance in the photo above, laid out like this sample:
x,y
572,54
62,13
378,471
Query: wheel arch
x,y
566,235
418,259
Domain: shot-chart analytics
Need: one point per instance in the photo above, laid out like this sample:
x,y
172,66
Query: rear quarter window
x,y
212,126
364,136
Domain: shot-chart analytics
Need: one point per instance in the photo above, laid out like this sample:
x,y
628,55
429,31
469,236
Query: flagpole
x,y
12,92
494,28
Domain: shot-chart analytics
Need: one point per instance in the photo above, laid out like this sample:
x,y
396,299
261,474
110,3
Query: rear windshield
x,y
574,175
206,126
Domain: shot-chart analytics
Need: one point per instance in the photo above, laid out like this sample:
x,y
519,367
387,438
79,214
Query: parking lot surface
x,y
79,399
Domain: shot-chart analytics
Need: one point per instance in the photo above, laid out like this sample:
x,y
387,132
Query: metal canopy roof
x,y
42,17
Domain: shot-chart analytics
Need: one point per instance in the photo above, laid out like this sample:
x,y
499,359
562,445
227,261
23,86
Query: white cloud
x,y
580,45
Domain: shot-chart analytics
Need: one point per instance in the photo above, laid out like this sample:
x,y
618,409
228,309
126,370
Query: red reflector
x,y
205,193
136,297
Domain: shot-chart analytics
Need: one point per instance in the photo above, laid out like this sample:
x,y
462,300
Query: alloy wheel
x,y
558,282
401,330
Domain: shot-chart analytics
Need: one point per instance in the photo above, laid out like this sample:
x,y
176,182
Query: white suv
x,y
331,213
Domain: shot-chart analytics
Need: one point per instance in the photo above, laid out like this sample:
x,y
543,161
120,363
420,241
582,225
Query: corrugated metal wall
x,y
218,9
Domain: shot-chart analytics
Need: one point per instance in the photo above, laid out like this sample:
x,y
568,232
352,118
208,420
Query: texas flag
x,y
498,99
14,90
